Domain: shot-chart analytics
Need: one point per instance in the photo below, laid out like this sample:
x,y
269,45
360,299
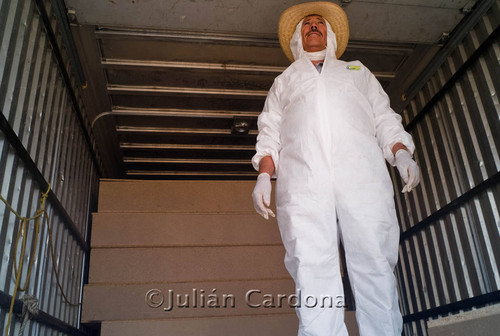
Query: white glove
x,y
262,195
408,169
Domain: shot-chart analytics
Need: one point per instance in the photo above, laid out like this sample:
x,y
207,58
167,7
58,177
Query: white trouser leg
x,y
309,231
370,235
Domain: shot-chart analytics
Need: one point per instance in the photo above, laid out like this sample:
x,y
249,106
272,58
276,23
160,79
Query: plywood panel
x,y
274,325
128,302
169,229
175,196
176,264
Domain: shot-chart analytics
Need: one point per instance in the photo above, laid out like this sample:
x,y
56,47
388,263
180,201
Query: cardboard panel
x,y
175,196
124,303
169,229
130,302
274,325
177,264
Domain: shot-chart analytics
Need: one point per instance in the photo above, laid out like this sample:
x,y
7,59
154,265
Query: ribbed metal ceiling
x,y
171,101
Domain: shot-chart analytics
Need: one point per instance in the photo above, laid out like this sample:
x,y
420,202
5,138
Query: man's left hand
x,y
408,169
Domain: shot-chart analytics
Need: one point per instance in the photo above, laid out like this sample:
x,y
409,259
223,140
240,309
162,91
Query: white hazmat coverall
x,y
328,134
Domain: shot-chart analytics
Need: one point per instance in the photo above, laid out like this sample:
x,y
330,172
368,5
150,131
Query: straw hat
x,y
330,11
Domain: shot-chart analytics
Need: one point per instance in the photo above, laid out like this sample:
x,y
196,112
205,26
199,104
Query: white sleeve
x,y
269,123
388,127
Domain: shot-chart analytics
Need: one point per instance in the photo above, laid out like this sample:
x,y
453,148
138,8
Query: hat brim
x,y
329,11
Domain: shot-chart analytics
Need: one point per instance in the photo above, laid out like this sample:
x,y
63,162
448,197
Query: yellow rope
x,y
54,262
23,232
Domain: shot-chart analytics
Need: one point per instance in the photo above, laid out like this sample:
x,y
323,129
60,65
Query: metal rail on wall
x,y
449,253
44,139
41,317
33,169
456,37
456,76
57,53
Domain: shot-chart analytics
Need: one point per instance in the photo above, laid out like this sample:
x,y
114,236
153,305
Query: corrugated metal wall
x,y
450,246
38,105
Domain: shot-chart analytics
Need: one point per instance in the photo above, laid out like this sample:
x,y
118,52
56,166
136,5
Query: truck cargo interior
x,y
127,133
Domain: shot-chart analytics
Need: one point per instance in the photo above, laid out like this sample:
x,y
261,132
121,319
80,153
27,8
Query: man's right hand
x,y
262,195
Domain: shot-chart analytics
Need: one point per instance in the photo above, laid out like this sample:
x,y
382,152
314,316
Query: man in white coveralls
x,y
324,132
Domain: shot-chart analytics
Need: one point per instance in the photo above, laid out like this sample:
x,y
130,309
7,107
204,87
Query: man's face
x,y
313,33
